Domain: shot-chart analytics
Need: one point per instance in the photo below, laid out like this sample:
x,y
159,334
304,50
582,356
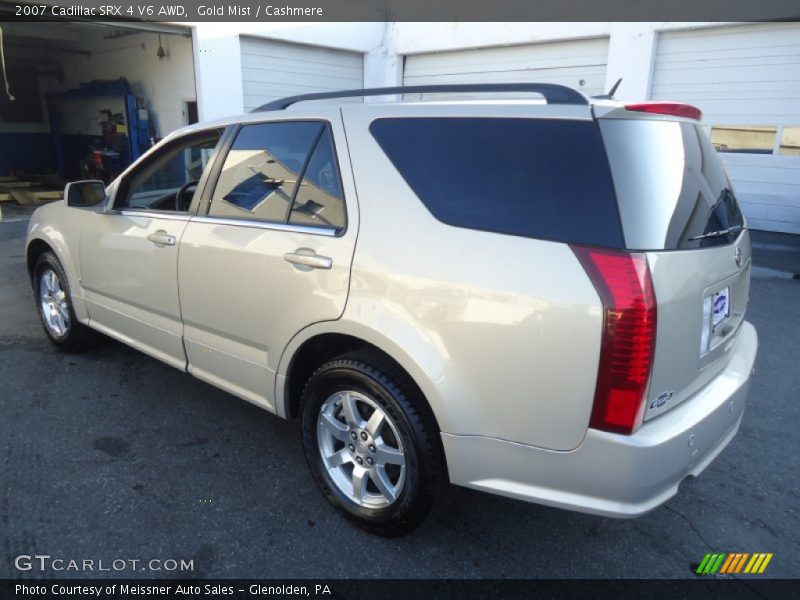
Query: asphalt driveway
x,y
111,454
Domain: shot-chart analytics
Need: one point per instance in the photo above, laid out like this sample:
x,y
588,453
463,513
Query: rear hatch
x,y
677,205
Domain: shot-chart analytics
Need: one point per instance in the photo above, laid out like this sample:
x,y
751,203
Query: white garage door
x,y
272,70
580,64
746,80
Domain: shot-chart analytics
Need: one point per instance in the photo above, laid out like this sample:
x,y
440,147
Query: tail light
x,y
672,109
623,282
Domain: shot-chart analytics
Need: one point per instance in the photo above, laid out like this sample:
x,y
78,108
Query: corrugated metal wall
x,y
272,70
580,64
744,75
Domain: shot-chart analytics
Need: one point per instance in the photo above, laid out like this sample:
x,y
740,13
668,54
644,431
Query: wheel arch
x,y
320,342
46,239
36,247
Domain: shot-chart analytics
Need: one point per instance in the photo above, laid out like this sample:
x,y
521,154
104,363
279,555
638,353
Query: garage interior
x,y
84,100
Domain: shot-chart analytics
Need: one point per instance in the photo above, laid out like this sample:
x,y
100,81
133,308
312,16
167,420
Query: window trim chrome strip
x,y
155,215
325,231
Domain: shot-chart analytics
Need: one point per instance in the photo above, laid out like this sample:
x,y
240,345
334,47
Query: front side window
x,y
168,180
281,172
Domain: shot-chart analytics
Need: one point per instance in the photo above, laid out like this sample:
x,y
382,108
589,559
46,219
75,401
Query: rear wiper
x,y
720,233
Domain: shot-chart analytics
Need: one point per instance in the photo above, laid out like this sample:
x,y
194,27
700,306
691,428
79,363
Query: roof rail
x,y
553,93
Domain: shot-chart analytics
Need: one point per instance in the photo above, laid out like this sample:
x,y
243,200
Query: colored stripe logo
x,y
735,562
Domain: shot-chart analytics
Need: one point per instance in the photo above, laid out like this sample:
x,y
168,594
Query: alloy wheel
x,y
361,449
54,304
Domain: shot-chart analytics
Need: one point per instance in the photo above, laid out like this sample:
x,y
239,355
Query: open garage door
x,y
579,64
272,70
87,99
746,80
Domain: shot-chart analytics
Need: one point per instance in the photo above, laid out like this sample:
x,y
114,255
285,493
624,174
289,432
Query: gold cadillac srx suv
x,y
539,298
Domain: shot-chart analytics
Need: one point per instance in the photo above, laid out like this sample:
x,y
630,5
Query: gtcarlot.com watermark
x,y
44,563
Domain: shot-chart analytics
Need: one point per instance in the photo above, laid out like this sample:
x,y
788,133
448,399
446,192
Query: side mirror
x,y
85,193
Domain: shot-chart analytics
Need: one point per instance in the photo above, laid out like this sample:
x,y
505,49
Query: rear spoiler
x,y
665,109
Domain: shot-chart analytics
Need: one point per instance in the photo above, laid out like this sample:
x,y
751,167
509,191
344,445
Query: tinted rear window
x,y
671,185
538,178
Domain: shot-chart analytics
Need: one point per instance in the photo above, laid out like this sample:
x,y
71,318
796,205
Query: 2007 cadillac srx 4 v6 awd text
x,y
542,298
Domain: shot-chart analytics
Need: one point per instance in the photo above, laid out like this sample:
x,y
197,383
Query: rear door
x,y
270,254
674,196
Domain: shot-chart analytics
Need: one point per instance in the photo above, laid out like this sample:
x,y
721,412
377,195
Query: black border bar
x,y
710,588
186,11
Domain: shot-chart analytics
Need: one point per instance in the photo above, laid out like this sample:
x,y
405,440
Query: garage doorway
x,y
88,98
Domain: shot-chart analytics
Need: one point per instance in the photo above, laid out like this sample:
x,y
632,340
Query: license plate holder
x,y
720,308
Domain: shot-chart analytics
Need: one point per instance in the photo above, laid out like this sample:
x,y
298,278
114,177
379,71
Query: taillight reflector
x,y
667,108
623,282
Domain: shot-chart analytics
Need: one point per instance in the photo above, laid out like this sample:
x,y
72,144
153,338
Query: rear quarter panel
x,y
505,329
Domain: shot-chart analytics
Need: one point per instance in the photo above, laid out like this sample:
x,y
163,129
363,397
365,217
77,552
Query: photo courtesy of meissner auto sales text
x,y
399,299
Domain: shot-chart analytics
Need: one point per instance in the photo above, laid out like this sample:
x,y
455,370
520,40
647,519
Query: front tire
x,y
372,444
54,306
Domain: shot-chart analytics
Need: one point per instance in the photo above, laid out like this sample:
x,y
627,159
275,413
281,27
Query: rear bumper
x,y
610,474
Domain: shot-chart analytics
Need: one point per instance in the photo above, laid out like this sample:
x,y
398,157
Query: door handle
x,y
162,238
313,261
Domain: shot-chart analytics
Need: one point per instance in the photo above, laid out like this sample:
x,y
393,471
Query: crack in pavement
x,y
691,526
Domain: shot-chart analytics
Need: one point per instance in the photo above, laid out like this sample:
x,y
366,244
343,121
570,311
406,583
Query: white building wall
x,y
631,55
384,45
218,62
217,53
631,45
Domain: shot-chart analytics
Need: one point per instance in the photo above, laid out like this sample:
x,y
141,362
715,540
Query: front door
x,y
129,255
271,256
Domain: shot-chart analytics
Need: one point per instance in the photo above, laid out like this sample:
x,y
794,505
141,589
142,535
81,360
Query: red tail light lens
x,y
667,108
629,333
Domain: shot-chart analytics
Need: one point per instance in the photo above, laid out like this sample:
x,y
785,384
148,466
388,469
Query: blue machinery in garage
x,y
136,129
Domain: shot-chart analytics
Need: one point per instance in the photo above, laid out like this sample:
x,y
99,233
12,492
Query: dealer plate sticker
x,y
720,308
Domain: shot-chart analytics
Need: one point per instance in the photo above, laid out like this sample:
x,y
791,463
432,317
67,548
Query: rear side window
x,y
537,178
318,200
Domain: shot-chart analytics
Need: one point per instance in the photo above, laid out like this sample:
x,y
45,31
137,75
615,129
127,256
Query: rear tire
x,y
380,462
54,306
